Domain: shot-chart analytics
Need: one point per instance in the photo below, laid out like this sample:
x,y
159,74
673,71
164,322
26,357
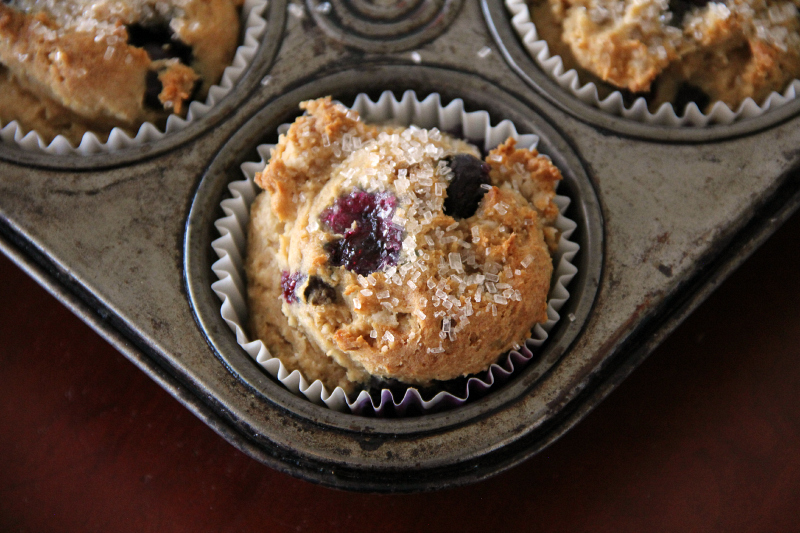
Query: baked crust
x,y
74,56
729,50
433,314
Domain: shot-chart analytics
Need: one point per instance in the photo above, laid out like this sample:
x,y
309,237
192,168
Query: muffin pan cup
x,y
231,248
663,215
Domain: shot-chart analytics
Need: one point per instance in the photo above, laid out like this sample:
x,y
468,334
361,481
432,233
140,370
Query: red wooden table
x,y
705,435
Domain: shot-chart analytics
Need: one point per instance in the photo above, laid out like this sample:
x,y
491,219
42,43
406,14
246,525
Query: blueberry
x,y
318,292
679,8
370,241
152,89
289,285
465,192
159,42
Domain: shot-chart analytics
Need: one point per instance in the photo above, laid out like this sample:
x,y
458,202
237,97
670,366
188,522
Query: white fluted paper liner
x,y
231,247
254,25
665,115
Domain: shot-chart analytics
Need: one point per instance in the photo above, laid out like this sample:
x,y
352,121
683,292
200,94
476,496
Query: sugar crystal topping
x,y
394,214
103,18
657,23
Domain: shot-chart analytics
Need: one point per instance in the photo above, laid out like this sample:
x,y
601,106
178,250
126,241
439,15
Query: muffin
x,y
72,66
388,253
677,52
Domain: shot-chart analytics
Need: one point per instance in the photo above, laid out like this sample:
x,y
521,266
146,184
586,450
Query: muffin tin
x,y
664,215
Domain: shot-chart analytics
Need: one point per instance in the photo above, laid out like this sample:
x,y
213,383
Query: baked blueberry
x,y
679,8
465,192
318,292
370,241
152,89
289,285
159,42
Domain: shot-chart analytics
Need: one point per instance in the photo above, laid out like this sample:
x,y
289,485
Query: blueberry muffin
x,y
681,50
391,253
72,66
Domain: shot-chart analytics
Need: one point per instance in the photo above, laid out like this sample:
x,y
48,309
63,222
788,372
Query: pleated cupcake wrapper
x,y
231,246
665,115
254,25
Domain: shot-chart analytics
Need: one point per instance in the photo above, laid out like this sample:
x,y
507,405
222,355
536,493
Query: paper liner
x,y
614,104
254,25
231,247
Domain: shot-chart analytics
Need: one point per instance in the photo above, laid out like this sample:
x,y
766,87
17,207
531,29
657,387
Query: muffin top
x,y
71,66
400,254
704,51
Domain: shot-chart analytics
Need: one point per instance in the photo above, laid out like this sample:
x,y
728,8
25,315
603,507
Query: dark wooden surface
x,y
705,435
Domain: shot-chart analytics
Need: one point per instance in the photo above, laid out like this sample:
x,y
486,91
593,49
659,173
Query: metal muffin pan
x,y
124,239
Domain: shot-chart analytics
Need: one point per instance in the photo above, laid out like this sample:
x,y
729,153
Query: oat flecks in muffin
x,y
87,65
422,295
725,51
